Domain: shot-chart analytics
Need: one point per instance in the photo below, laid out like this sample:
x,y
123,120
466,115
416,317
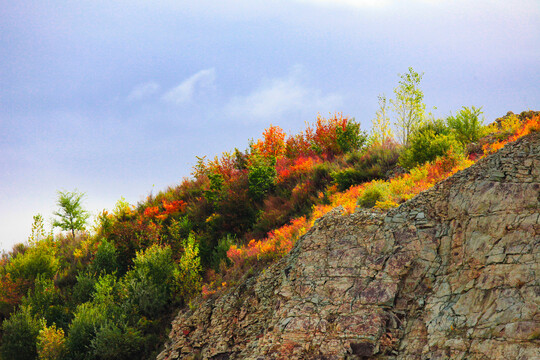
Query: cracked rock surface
x,y
452,274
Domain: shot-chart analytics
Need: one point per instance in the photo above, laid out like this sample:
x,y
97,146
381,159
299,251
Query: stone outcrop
x,y
452,274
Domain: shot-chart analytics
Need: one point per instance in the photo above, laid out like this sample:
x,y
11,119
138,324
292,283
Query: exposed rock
x,y
452,274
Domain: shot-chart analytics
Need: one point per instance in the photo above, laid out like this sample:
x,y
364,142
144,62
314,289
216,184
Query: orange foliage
x,y
319,140
224,165
301,158
324,136
173,207
273,143
278,243
530,125
151,211
287,168
298,145
169,207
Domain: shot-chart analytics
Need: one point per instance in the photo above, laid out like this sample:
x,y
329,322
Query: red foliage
x,y
298,145
287,168
226,166
320,140
151,211
12,290
169,207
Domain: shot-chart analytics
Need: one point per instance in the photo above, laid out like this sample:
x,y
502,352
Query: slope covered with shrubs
x,y
110,293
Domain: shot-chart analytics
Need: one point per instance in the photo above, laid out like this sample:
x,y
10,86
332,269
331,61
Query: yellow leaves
x,y
386,204
273,143
516,128
278,243
78,254
50,343
212,217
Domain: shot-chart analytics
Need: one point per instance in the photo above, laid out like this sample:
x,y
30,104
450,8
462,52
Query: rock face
x,y
452,274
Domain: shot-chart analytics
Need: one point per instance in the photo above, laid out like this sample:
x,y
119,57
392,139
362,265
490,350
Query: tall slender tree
x,y
71,215
381,129
408,105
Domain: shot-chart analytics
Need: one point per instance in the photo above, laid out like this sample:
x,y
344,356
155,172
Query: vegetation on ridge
x,y
111,292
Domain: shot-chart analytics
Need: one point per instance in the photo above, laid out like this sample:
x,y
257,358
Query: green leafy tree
x,y
84,289
71,216
38,230
261,177
350,138
37,260
408,105
213,194
149,283
467,124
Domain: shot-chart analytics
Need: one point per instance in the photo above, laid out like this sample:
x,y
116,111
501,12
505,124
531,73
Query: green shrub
x,y
45,301
377,191
19,338
350,138
35,261
118,342
466,125
213,194
346,178
187,276
145,297
105,260
261,177
429,142
89,318
83,289
179,229
374,163
149,282
322,175
219,254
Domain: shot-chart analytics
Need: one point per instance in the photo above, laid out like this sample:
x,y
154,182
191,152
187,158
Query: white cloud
x,y
279,96
142,91
184,92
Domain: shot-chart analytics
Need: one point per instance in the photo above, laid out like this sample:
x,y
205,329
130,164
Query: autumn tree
x,y
71,215
381,129
408,105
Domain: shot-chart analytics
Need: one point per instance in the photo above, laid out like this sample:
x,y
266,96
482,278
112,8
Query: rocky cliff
x,y
452,274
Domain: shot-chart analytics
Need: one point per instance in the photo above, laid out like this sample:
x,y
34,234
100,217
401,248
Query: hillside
x,y
452,273
111,291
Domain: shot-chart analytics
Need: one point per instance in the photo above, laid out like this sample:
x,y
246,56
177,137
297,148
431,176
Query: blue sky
x,y
116,98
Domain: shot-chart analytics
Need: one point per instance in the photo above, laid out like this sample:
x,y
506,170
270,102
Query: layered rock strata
x,y
452,274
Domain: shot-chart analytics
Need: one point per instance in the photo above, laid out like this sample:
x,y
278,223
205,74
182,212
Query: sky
x,y
117,98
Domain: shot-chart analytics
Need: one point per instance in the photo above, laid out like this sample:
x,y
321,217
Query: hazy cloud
x,y
278,96
142,91
184,92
